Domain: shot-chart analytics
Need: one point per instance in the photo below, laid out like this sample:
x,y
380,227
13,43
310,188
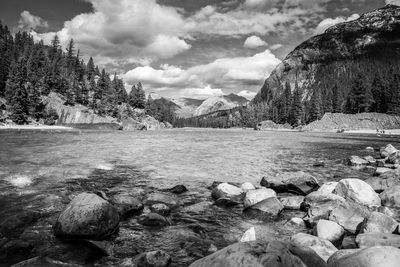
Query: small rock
x,y
377,239
266,209
228,201
330,231
226,190
370,159
292,202
247,186
298,222
379,222
153,219
319,163
322,247
178,189
161,209
254,196
381,170
356,161
358,191
387,151
158,258
126,204
391,197
371,149
249,235
164,198
293,182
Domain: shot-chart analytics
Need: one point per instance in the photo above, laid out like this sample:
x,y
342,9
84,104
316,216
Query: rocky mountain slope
x,y
187,106
368,47
216,103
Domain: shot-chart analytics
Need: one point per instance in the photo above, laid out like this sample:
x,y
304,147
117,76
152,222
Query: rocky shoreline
x,y
337,223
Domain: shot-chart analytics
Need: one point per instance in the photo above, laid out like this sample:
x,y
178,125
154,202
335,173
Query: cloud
x,y
247,94
254,42
28,21
276,46
393,2
329,22
226,74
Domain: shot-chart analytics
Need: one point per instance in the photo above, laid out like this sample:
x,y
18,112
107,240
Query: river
x,y
40,171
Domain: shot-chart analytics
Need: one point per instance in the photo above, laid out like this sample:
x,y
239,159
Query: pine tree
x,y
296,116
90,69
316,111
137,97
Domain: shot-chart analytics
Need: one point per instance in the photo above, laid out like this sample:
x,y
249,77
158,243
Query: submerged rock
x,y
126,204
260,254
377,239
299,183
161,209
358,191
153,219
370,257
254,196
178,189
164,198
158,258
88,216
322,247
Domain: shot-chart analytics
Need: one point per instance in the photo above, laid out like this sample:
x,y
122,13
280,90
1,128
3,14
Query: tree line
x,y
30,70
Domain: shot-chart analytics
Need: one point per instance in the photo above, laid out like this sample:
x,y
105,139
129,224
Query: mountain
x,y
187,106
352,67
216,103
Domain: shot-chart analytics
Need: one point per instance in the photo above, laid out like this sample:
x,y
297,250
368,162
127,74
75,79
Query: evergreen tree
x,y
90,69
296,112
316,111
137,97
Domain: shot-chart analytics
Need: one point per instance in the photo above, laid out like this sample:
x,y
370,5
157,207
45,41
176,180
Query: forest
x,y
30,70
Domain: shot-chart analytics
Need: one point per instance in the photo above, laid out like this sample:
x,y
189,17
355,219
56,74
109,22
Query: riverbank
x,y
35,127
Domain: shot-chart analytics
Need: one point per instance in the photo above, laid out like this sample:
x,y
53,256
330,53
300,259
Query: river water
x,y
40,171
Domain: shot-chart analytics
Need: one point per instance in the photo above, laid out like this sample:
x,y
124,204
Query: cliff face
x,y
374,36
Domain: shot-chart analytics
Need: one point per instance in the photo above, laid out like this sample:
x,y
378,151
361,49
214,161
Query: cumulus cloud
x,y
276,46
329,22
254,42
28,21
247,94
224,74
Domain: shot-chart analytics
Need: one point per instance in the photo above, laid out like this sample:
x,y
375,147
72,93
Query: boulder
x,y
228,201
384,181
43,262
391,197
381,170
161,209
377,239
157,258
356,161
349,216
249,235
370,159
164,198
226,190
178,189
153,219
341,253
126,204
298,222
330,231
87,216
370,257
379,222
322,247
358,191
252,197
292,202
266,209
327,188
293,182
387,151
247,186
260,254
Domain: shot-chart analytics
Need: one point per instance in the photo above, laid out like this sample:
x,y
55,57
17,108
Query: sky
x,y
184,48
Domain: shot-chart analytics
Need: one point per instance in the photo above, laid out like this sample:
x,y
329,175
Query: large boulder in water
x,y
391,197
226,190
358,191
385,180
261,254
254,196
377,239
322,247
299,183
379,222
370,257
87,216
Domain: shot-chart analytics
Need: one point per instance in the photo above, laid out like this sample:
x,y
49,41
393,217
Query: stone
x,y
330,231
43,262
319,163
247,186
380,162
391,197
153,219
226,190
164,198
260,254
349,216
126,204
157,258
370,257
322,247
161,209
381,170
87,216
379,222
327,188
252,197
341,253
228,201
178,189
292,202
370,159
299,183
377,239
356,161
369,148
358,191
266,209
384,181
249,235
298,222
387,151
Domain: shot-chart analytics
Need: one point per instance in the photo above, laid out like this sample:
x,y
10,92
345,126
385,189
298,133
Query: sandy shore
x,y
34,127
369,131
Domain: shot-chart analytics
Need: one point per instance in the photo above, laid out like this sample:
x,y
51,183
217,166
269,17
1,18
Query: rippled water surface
x,y
41,171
